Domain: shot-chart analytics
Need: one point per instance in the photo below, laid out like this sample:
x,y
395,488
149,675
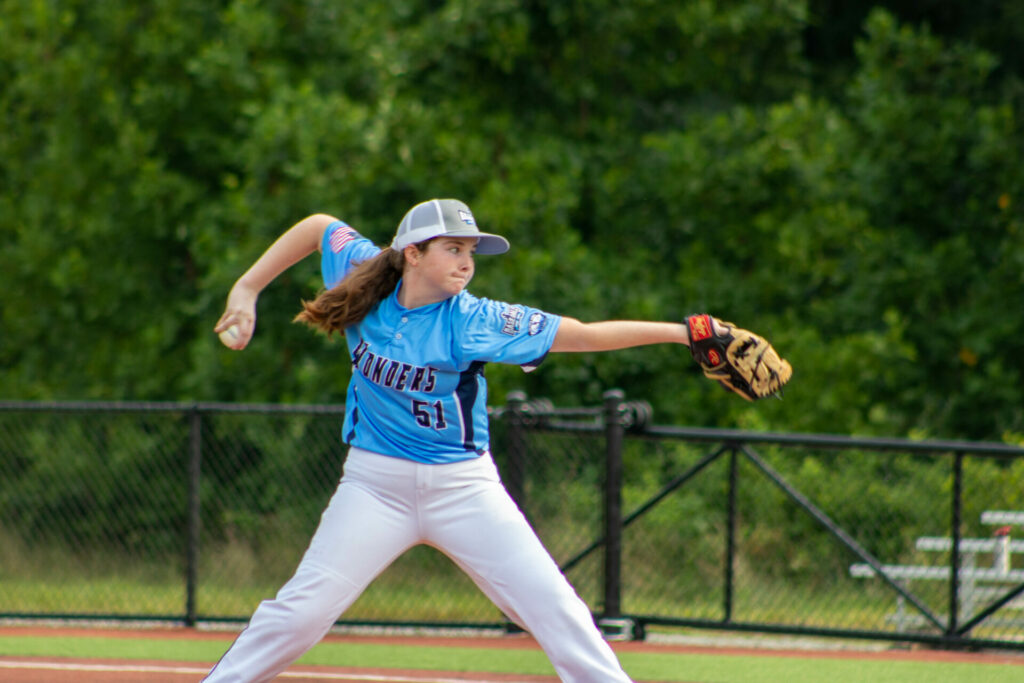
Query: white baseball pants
x,y
383,506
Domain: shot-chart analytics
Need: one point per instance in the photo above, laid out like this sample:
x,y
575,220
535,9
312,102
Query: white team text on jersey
x,y
392,373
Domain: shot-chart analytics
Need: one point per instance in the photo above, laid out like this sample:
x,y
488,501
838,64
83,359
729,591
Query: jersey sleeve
x,y
341,248
499,332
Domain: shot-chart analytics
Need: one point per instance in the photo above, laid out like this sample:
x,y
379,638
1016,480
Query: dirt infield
x,y
16,669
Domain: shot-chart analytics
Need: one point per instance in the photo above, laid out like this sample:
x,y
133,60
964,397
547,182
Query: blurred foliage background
x,y
844,177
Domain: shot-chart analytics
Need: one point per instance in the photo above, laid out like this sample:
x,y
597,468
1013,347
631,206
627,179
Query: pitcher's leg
x,y
282,629
485,533
360,534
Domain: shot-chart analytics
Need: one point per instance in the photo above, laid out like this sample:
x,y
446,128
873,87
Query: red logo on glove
x,y
713,357
700,327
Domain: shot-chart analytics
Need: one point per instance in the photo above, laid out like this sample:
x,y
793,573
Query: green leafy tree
x,y
859,206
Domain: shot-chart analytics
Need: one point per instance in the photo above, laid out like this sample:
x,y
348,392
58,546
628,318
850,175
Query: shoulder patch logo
x,y
341,236
513,316
538,321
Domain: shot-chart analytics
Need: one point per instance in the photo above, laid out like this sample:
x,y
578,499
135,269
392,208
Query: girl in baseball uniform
x,y
418,470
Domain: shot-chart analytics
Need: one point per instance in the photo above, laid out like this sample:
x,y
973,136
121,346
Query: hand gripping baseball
x,y
739,360
236,325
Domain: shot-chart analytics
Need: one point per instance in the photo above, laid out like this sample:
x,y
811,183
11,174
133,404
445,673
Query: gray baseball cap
x,y
450,217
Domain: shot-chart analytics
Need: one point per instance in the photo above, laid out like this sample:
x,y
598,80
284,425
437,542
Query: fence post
x,y
730,536
956,509
195,423
614,435
516,483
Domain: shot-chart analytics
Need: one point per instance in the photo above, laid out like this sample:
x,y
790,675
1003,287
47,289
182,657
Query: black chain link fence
x,y
196,512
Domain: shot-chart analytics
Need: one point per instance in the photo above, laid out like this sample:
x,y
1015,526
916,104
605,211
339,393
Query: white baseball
x,y
230,336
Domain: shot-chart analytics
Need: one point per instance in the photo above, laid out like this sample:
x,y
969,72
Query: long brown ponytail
x,y
354,297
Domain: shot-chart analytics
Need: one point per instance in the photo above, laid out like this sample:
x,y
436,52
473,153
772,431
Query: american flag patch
x,y
341,236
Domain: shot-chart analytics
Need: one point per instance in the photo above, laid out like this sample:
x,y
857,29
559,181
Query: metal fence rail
x,y
196,512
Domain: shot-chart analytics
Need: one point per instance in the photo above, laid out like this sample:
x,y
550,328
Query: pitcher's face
x,y
443,270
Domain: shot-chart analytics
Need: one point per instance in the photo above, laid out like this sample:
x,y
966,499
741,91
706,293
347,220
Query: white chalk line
x,y
109,668
192,671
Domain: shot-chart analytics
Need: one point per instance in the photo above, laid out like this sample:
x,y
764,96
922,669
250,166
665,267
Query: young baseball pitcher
x,y
418,469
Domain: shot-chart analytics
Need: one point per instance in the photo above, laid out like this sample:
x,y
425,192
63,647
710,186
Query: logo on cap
x,y
466,217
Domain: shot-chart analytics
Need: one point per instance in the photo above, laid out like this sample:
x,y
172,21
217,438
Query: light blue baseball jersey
x,y
418,389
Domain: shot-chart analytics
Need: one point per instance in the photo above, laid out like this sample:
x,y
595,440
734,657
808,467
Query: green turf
x,y
668,667
113,648
773,669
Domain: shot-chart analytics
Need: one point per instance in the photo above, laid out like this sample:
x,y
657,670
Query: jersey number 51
x,y
428,415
